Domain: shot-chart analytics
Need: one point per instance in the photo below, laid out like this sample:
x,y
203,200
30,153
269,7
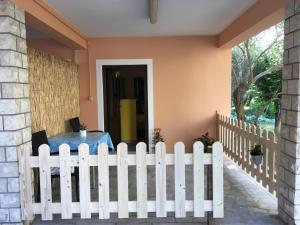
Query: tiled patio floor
x,y
246,202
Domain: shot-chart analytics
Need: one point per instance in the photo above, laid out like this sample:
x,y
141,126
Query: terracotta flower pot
x,y
257,159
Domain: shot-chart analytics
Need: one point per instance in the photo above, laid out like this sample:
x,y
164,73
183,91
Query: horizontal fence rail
x,y
103,160
238,137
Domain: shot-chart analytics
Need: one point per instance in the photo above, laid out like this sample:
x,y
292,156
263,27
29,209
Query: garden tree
x,y
246,58
265,97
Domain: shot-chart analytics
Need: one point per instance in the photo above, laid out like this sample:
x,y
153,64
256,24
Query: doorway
x,y
126,103
102,103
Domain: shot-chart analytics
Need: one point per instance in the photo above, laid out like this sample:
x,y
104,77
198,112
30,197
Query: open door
x,y
125,101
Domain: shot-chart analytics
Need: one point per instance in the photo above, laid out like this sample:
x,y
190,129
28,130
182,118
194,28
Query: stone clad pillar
x,y
289,157
15,131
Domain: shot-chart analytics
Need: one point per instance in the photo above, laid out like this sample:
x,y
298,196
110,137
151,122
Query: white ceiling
x,y
108,18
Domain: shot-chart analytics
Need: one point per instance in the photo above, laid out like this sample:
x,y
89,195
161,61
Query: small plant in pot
x,y
157,137
256,155
207,142
82,130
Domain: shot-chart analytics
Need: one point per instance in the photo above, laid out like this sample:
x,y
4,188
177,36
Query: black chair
x,y
75,125
39,138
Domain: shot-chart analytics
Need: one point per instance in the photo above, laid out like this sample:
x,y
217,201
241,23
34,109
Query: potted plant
x,y
256,155
82,130
157,137
207,142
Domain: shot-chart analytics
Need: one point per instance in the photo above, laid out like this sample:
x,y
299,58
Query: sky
x,y
268,36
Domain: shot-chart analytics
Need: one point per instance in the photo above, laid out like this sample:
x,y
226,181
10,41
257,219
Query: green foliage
x,y
206,140
157,137
265,93
82,126
258,98
256,150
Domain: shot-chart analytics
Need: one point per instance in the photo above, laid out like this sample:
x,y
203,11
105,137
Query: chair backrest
x,y
38,138
75,124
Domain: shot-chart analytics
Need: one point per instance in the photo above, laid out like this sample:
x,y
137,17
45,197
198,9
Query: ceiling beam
x,y
44,18
262,15
153,11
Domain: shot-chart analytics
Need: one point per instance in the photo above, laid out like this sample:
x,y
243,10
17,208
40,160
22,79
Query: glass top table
x,y
73,139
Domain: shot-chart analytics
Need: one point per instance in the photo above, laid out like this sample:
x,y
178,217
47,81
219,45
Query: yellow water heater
x,y
128,120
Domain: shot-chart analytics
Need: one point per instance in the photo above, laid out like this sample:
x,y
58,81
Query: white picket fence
x,y
238,137
103,206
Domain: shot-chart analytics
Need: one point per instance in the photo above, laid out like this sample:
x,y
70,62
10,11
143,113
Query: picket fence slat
x,y
258,171
141,160
265,138
179,171
218,191
65,181
103,181
122,181
247,147
198,172
244,137
45,182
271,162
84,181
141,180
160,175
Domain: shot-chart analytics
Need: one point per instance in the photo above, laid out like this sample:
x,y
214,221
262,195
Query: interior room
x,y
125,102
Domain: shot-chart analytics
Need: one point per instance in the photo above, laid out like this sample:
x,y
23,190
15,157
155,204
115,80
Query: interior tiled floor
x,y
246,202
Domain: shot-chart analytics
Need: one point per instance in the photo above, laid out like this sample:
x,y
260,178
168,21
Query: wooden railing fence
x,y
239,137
103,206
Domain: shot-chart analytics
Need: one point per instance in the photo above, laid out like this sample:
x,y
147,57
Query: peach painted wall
x,y
192,79
52,47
